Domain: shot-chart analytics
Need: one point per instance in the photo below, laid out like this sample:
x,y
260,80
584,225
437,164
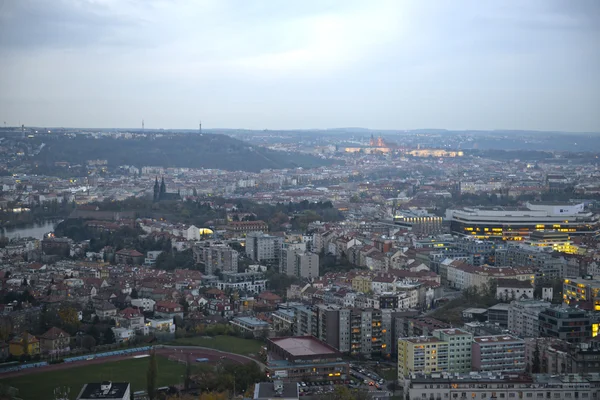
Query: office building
x,y
523,317
262,247
552,240
459,348
517,223
582,290
421,354
569,324
498,353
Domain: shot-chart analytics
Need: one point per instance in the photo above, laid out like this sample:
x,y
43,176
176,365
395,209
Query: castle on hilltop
x,y
161,194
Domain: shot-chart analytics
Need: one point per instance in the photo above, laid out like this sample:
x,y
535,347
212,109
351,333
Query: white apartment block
x,y
263,247
523,317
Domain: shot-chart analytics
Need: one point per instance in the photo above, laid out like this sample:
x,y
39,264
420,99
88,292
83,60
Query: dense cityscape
x,y
388,270
287,200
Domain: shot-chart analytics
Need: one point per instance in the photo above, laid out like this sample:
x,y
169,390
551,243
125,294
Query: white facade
x,y
523,317
146,304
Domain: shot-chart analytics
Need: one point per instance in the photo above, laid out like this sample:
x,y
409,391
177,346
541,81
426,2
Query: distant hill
x,y
172,150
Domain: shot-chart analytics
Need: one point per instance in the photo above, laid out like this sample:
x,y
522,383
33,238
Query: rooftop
x,y
266,390
303,346
422,339
104,390
496,338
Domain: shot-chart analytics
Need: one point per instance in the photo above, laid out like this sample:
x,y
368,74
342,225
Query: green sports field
x,y
42,385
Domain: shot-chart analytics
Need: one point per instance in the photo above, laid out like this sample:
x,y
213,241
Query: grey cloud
x,y
26,24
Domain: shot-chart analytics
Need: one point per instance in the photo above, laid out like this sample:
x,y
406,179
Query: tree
x,y
68,318
536,364
6,328
88,341
151,376
109,336
134,293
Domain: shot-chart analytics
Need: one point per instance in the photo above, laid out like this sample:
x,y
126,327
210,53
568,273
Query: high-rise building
x,y
216,256
421,354
333,326
459,348
295,262
262,247
498,353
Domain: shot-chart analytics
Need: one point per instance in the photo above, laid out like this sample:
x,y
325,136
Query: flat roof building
x,y
304,358
517,223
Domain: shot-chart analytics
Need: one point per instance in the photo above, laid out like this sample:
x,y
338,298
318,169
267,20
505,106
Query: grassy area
x,y
230,344
42,385
389,374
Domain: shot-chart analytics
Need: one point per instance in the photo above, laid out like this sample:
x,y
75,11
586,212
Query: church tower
x,y
163,187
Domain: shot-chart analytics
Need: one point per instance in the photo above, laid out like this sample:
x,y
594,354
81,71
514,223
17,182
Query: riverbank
x,y
30,229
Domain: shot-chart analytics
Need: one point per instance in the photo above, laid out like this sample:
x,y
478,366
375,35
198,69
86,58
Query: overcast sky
x,y
285,64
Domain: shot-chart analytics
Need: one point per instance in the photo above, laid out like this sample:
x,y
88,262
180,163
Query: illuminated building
x,y
418,221
517,223
435,153
582,290
421,354
566,323
554,240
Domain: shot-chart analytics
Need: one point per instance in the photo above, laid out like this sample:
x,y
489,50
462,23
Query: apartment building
x,y
459,348
523,317
421,354
263,247
461,275
496,386
333,326
365,331
295,262
216,256
498,353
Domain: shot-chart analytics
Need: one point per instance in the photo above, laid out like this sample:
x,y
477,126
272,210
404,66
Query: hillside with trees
x,y
170,150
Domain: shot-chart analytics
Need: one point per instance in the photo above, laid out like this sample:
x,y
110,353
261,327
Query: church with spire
x,y
161,194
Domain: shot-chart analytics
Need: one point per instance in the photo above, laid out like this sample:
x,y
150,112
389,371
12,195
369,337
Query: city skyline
x,y
267,65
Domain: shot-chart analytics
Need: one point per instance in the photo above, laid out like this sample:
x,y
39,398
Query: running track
x,y
180,352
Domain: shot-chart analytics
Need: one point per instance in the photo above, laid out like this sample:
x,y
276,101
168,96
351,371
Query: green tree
x,y
151,376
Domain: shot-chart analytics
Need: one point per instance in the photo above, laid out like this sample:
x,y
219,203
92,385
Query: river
x,y
36,230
